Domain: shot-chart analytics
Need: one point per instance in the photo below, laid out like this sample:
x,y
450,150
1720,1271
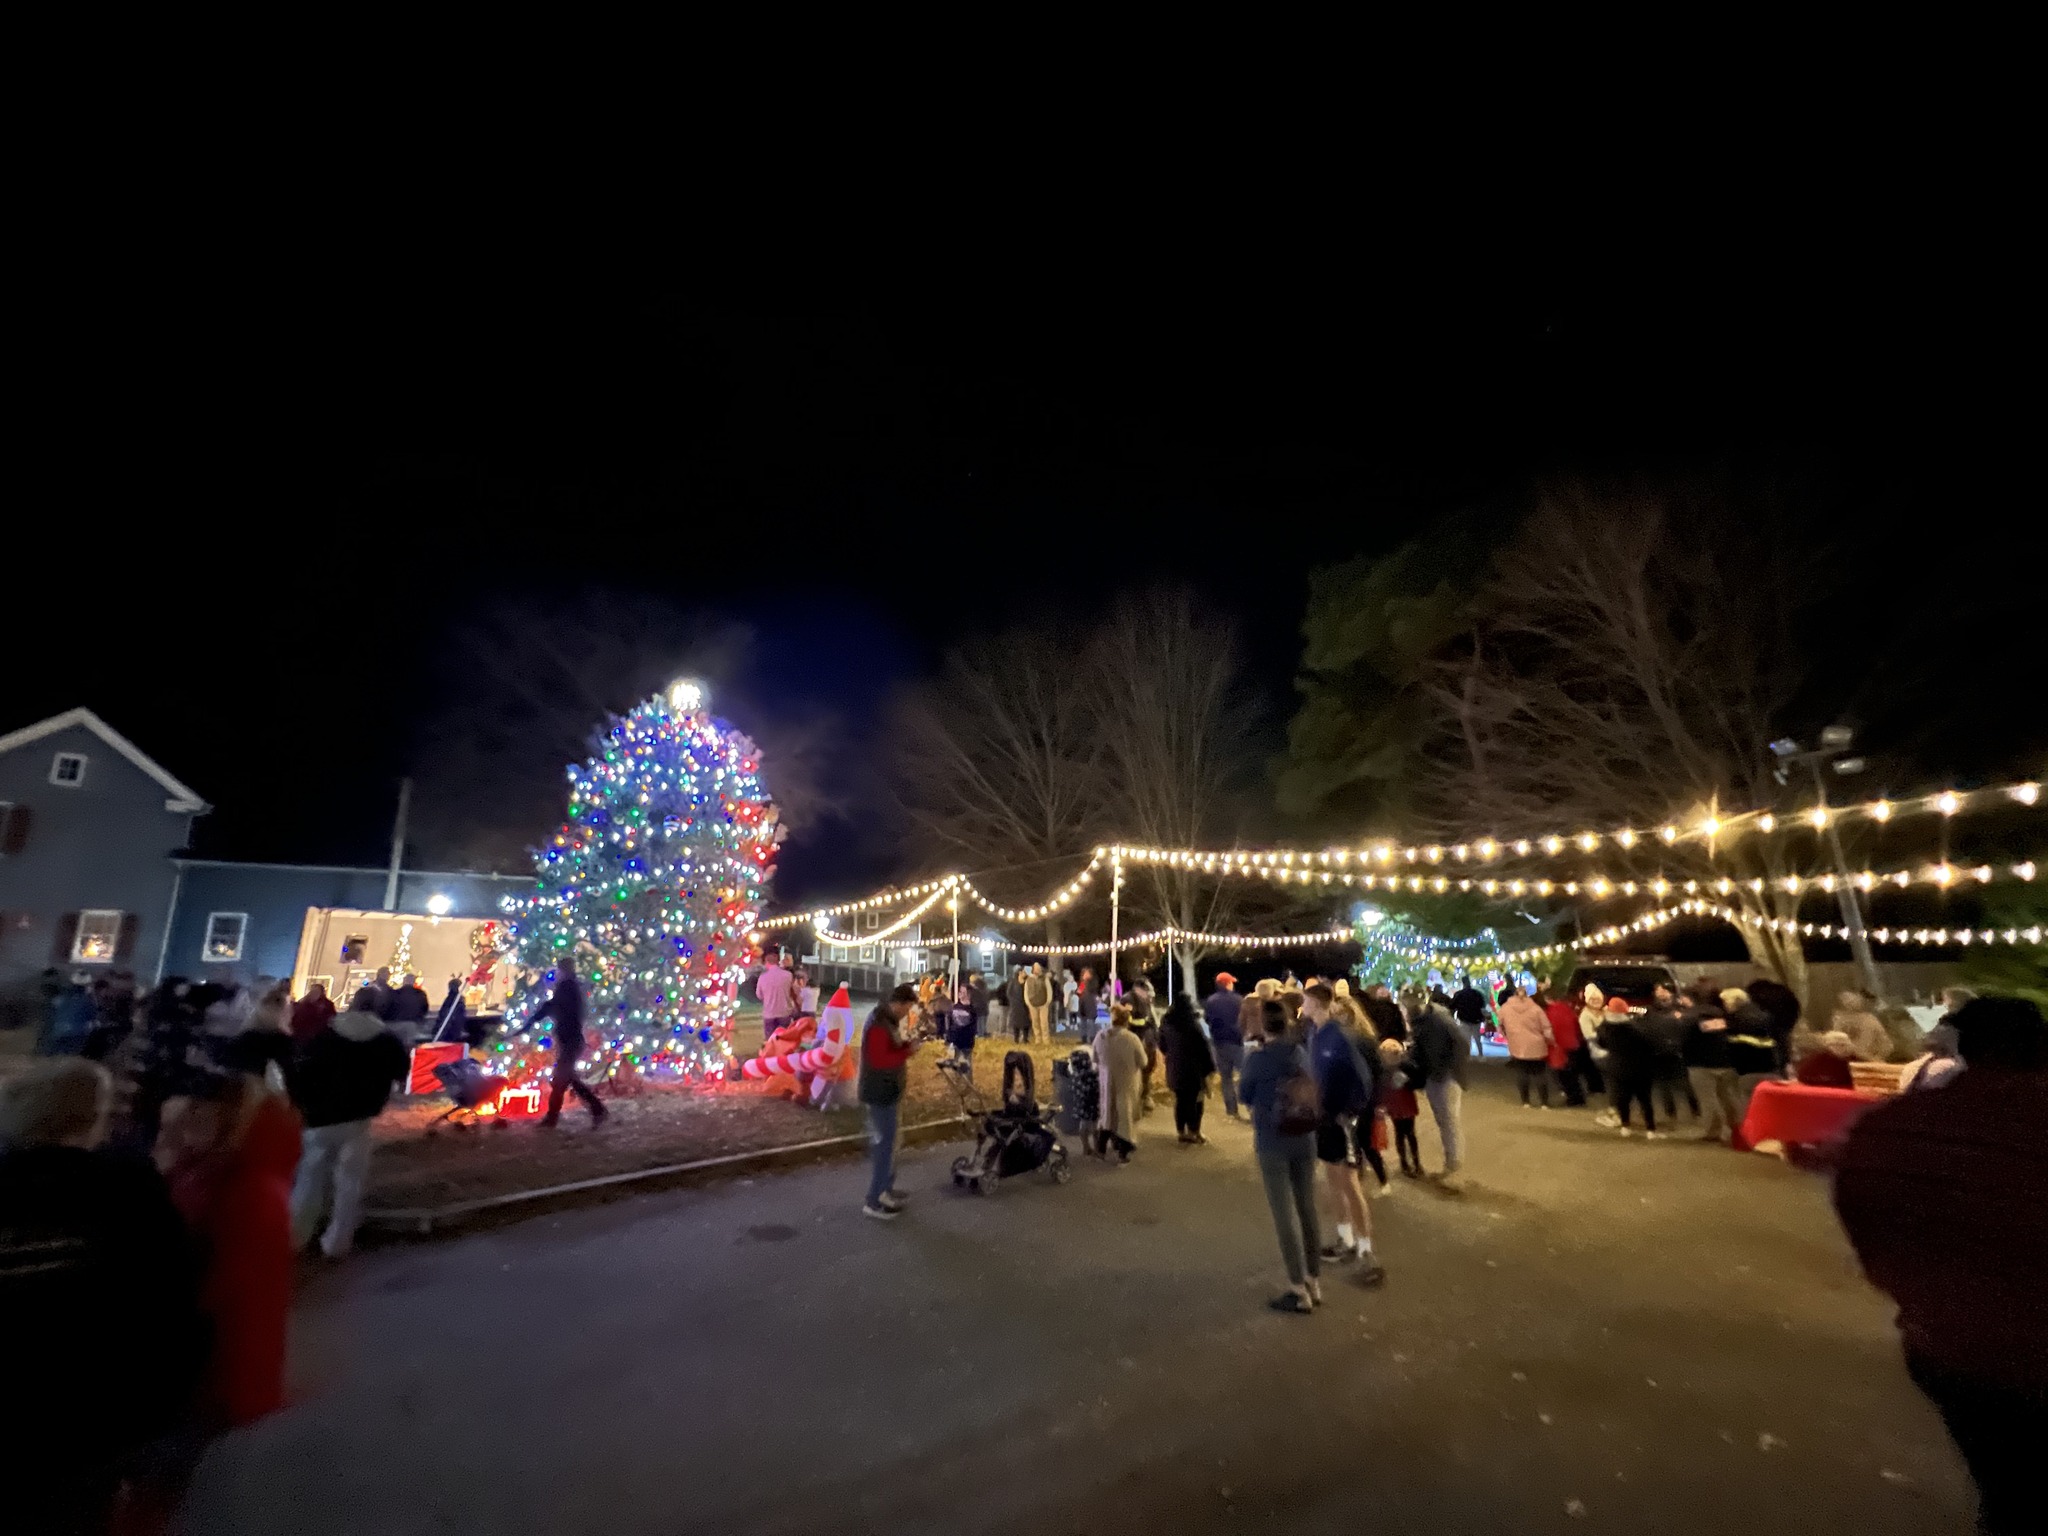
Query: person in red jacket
x,y
229,1149
1570,1057
884,1058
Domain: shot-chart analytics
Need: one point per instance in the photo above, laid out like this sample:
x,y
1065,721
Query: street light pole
x,y
1845,891
1834,741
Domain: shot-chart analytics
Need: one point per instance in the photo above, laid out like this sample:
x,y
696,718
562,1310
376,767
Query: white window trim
x,y
206,940
83,761
78,938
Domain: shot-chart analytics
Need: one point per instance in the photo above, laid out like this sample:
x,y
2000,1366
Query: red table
x,y
1793,1112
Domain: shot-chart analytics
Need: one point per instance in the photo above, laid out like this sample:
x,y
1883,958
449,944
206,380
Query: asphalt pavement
x,y
1598,1335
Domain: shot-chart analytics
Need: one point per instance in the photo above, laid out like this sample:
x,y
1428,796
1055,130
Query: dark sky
x,y
273,488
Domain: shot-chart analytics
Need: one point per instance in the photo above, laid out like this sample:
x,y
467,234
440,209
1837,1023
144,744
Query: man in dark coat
x,y
564,1008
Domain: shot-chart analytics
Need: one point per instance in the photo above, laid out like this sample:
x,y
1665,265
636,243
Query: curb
x,y
421,1221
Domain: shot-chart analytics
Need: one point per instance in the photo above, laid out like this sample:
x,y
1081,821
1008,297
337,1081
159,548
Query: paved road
x,y
1601,1336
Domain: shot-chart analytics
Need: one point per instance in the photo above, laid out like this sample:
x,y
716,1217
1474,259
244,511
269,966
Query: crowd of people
x,y
1326,1079
167,1157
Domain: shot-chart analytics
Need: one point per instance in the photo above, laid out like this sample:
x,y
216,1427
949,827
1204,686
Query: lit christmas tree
x,y
653,882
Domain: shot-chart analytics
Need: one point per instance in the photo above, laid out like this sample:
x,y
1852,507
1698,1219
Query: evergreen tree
x,y
653,882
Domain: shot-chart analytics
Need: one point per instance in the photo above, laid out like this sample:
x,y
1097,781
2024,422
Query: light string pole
x,y
1834,742
1116,886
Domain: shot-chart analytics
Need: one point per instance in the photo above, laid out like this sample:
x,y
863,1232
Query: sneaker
x,y
1608,1118
1315,1291
1292,1301
892,1203
1339,1253
1198,1140
1453,1180
896,1195
1528,1106
1655,1135
880,1212
1382,1191
1544,1107
1373,1276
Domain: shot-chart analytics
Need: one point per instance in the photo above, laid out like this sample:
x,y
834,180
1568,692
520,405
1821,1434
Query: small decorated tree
x,y
653,883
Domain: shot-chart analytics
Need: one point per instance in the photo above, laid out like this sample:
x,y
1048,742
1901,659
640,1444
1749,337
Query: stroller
x,y
1008,1141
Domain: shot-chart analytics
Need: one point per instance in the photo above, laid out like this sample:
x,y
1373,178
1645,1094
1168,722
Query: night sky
x,y
276,490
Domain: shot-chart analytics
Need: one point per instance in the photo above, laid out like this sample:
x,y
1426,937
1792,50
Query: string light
x,y
1329,864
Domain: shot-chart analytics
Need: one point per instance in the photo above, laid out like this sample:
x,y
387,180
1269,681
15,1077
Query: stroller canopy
x,y
1019,1078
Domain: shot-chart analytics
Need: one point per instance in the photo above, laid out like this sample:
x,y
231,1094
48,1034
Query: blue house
x,y
88,825
329,923
93,873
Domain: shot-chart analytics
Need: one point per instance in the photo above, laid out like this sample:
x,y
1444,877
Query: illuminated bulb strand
x,y
1060,898
887,898
1948,802
901,923
1656,918
1597,885
1308,866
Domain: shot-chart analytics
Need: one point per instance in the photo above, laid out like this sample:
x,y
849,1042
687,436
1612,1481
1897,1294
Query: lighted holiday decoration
x,y
654,884
401,952
816,1061
484,941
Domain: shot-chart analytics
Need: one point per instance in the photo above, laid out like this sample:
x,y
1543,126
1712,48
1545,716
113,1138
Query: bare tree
x,y
998,761
1177,731
524,692
1626,665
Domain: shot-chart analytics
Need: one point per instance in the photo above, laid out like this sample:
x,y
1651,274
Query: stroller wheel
x,y
1056,1165
984,1183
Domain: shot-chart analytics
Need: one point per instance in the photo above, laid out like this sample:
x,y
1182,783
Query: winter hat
x,y
1390,1051
1225,979
1594,996
1617,1005
1414,995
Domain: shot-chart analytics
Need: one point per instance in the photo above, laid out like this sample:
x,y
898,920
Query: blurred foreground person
x,y
229,1147
1945,1197
98,1283
341,1084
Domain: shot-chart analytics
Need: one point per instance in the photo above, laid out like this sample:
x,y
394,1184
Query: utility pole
x,y
397,845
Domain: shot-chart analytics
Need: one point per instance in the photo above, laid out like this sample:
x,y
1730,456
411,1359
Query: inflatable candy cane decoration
x,y
824,1064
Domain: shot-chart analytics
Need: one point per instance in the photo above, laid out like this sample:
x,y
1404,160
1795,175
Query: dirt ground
x,y
419,1166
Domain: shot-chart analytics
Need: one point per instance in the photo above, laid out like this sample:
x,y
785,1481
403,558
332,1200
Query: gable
x,y
92,736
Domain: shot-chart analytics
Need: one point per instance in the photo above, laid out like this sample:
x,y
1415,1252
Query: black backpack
x,y
1297,1107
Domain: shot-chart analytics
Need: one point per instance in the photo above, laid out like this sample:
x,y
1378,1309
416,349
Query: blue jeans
x,y
1229,1057
883,1121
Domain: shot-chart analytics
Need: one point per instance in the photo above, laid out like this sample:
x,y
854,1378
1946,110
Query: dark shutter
x,y
14,833
66,936
124,942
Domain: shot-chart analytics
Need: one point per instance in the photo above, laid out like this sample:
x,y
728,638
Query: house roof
x,y
181,798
